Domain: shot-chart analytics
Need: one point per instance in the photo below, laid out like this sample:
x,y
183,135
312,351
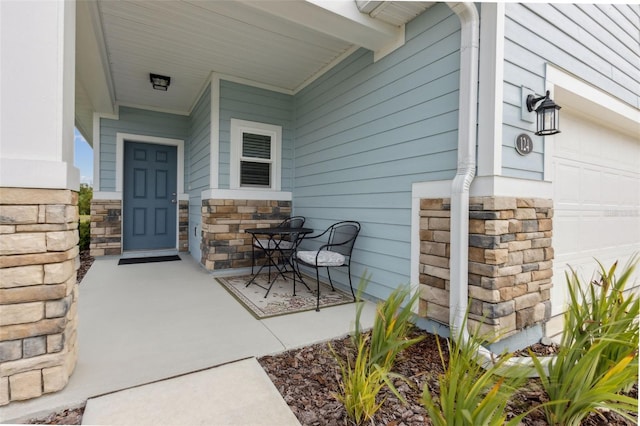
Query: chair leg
x,y
330,282
350,284
318,287
253,257
294,280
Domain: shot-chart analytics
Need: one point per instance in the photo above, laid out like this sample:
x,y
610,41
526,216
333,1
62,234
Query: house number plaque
x,y
524,144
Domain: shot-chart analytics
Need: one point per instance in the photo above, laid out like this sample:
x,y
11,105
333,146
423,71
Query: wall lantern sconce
x,y
548,114
160,82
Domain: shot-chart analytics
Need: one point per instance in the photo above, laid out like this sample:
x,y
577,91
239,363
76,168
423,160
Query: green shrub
x,y
370,371
84,199
471,393
598,355
360,384
84,229
391,327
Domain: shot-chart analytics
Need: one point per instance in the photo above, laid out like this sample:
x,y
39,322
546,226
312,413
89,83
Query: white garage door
x,y
596,181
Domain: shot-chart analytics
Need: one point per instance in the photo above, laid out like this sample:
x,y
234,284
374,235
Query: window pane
x,y
256,146
255,174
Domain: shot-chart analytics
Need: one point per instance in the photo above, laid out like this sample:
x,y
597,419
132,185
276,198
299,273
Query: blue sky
x,y
83,158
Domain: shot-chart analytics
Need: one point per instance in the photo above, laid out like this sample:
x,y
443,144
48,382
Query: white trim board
x,y
490,93
214,132
582,98
244,194
486,186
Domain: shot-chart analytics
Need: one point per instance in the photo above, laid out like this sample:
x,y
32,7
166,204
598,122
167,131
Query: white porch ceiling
x,y
277,44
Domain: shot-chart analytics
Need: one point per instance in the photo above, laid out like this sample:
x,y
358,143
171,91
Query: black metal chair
x,y
285,246
335,253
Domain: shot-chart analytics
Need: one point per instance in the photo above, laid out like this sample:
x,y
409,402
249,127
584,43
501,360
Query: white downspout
x,y
467,120
467,130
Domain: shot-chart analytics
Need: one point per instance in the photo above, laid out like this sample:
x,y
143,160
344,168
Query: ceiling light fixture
x,y
160,82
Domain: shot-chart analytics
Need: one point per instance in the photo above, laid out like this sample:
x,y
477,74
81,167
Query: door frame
x,y
121,138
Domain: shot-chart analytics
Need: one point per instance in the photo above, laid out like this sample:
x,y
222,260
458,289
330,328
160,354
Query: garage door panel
x,y
566,238
571,173
611,194
596,200
592,235
630,191
590,186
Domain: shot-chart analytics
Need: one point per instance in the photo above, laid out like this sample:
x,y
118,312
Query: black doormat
x,y
132,260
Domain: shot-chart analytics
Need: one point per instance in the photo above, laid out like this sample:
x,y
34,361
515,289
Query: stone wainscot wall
x,y
224,243
38,291
510,262
106,227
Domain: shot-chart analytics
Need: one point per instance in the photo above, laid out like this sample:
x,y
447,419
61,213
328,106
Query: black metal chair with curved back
x,y
335,253
283,245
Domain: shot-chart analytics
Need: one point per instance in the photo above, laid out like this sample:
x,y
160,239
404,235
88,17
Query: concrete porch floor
x,y
144,323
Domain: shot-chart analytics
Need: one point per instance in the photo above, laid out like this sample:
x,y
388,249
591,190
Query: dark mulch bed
x,y
65,417
85,263
307,378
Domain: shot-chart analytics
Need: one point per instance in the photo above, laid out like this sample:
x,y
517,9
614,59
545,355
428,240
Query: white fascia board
x,y
92,65
340,19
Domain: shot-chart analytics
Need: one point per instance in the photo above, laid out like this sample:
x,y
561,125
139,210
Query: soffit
x,y
280,45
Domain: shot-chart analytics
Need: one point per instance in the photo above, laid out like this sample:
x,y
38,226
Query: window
x,y
255,155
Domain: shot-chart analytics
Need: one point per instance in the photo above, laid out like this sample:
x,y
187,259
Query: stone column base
x,y
38,291
224,244
510,262
106,228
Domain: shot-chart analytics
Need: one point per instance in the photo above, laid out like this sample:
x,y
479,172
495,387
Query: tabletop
x,y
279,231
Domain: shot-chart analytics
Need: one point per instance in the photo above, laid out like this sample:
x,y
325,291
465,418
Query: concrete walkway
x,y
235,394
140,324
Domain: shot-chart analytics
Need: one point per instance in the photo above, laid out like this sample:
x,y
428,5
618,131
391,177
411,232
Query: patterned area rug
x,y
281,300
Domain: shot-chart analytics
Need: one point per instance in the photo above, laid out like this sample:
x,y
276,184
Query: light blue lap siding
x,y
139,122
198,157
260,105
366,131
597,43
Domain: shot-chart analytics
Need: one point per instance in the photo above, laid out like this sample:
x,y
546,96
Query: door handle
x,y
173,200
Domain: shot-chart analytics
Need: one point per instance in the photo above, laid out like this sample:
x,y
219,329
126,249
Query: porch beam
x,y
340,19
93,69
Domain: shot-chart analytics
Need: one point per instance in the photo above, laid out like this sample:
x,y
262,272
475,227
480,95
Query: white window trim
x,y
241,126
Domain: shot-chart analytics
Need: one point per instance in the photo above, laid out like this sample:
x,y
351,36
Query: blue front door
x,y
150,199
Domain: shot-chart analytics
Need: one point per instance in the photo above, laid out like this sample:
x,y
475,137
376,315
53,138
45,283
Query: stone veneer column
x,y
224,243
106,227
183,223
38,291
510,262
